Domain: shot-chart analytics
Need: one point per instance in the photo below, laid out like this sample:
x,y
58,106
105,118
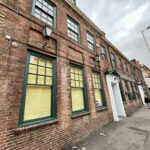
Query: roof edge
x,y
82,14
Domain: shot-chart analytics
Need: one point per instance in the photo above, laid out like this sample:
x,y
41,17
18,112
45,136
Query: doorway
x,y
115,97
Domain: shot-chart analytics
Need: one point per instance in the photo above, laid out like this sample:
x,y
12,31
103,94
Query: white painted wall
x,y
118,100
147,82
115,97
142,93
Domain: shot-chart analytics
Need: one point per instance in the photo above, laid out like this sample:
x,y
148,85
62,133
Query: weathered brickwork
x,y
17,21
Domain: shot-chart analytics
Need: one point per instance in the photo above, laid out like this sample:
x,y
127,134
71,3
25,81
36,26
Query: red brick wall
x,y
26,31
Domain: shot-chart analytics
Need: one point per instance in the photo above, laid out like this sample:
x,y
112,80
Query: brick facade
x,y
17,21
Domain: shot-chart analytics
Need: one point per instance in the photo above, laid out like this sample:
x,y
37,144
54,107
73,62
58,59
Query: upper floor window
x,y
128,90
91,41
73,29
104,54
113,59
126,67
121,65
45,10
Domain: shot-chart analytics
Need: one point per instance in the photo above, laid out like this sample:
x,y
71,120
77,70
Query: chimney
x,y
137,63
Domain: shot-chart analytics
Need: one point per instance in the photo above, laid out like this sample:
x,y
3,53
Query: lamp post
x,y
145,37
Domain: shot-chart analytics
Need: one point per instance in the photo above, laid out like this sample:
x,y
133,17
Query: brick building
x,y
146,74
56,95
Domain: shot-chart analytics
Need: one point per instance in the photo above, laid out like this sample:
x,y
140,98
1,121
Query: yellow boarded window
x,y
97,89
38,89
77,89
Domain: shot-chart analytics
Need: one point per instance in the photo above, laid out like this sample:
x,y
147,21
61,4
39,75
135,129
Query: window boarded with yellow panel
x,y
38,102
97,89
77,89
38,89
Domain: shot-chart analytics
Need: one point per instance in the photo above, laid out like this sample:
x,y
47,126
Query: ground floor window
x,y
98,90
127,90
78,90
122,91
133,91
39,90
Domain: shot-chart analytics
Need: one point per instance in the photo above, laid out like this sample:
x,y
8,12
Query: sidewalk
x,y
131,133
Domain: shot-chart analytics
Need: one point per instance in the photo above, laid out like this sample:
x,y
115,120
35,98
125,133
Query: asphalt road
x,y
131,133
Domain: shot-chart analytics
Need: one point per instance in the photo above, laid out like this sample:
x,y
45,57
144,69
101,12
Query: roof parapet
x,y
82,15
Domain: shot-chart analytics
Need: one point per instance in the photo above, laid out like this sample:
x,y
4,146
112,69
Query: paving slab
x,y
131,133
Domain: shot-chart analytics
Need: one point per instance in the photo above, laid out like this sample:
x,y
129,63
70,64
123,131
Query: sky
x,y
122,21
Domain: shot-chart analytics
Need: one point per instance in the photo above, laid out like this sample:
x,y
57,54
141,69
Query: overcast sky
x,y
122,21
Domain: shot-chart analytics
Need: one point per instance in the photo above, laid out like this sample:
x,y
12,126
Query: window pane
x,y
98,98
33,59
97,89
48,64
38,102
41,70
44,10
77,99
32,69
73,84
73,29
48,72
40,79
48,80
90,41
31,79
41,62
38,4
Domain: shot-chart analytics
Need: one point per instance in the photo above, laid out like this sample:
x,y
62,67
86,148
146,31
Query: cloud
x,y
131,19
122,21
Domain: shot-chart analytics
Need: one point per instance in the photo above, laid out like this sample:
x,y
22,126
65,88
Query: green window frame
x,y
77,80
104,54
127,88
113,59
90,41
97,84
73,29
121,65
45,10
44,76
133,93
126,67
122,91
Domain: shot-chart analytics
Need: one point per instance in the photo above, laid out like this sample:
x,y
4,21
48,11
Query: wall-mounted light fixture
x,y
97,58
47,32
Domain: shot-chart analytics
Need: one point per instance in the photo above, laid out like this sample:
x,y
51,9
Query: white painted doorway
x,y
115,96
142,93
